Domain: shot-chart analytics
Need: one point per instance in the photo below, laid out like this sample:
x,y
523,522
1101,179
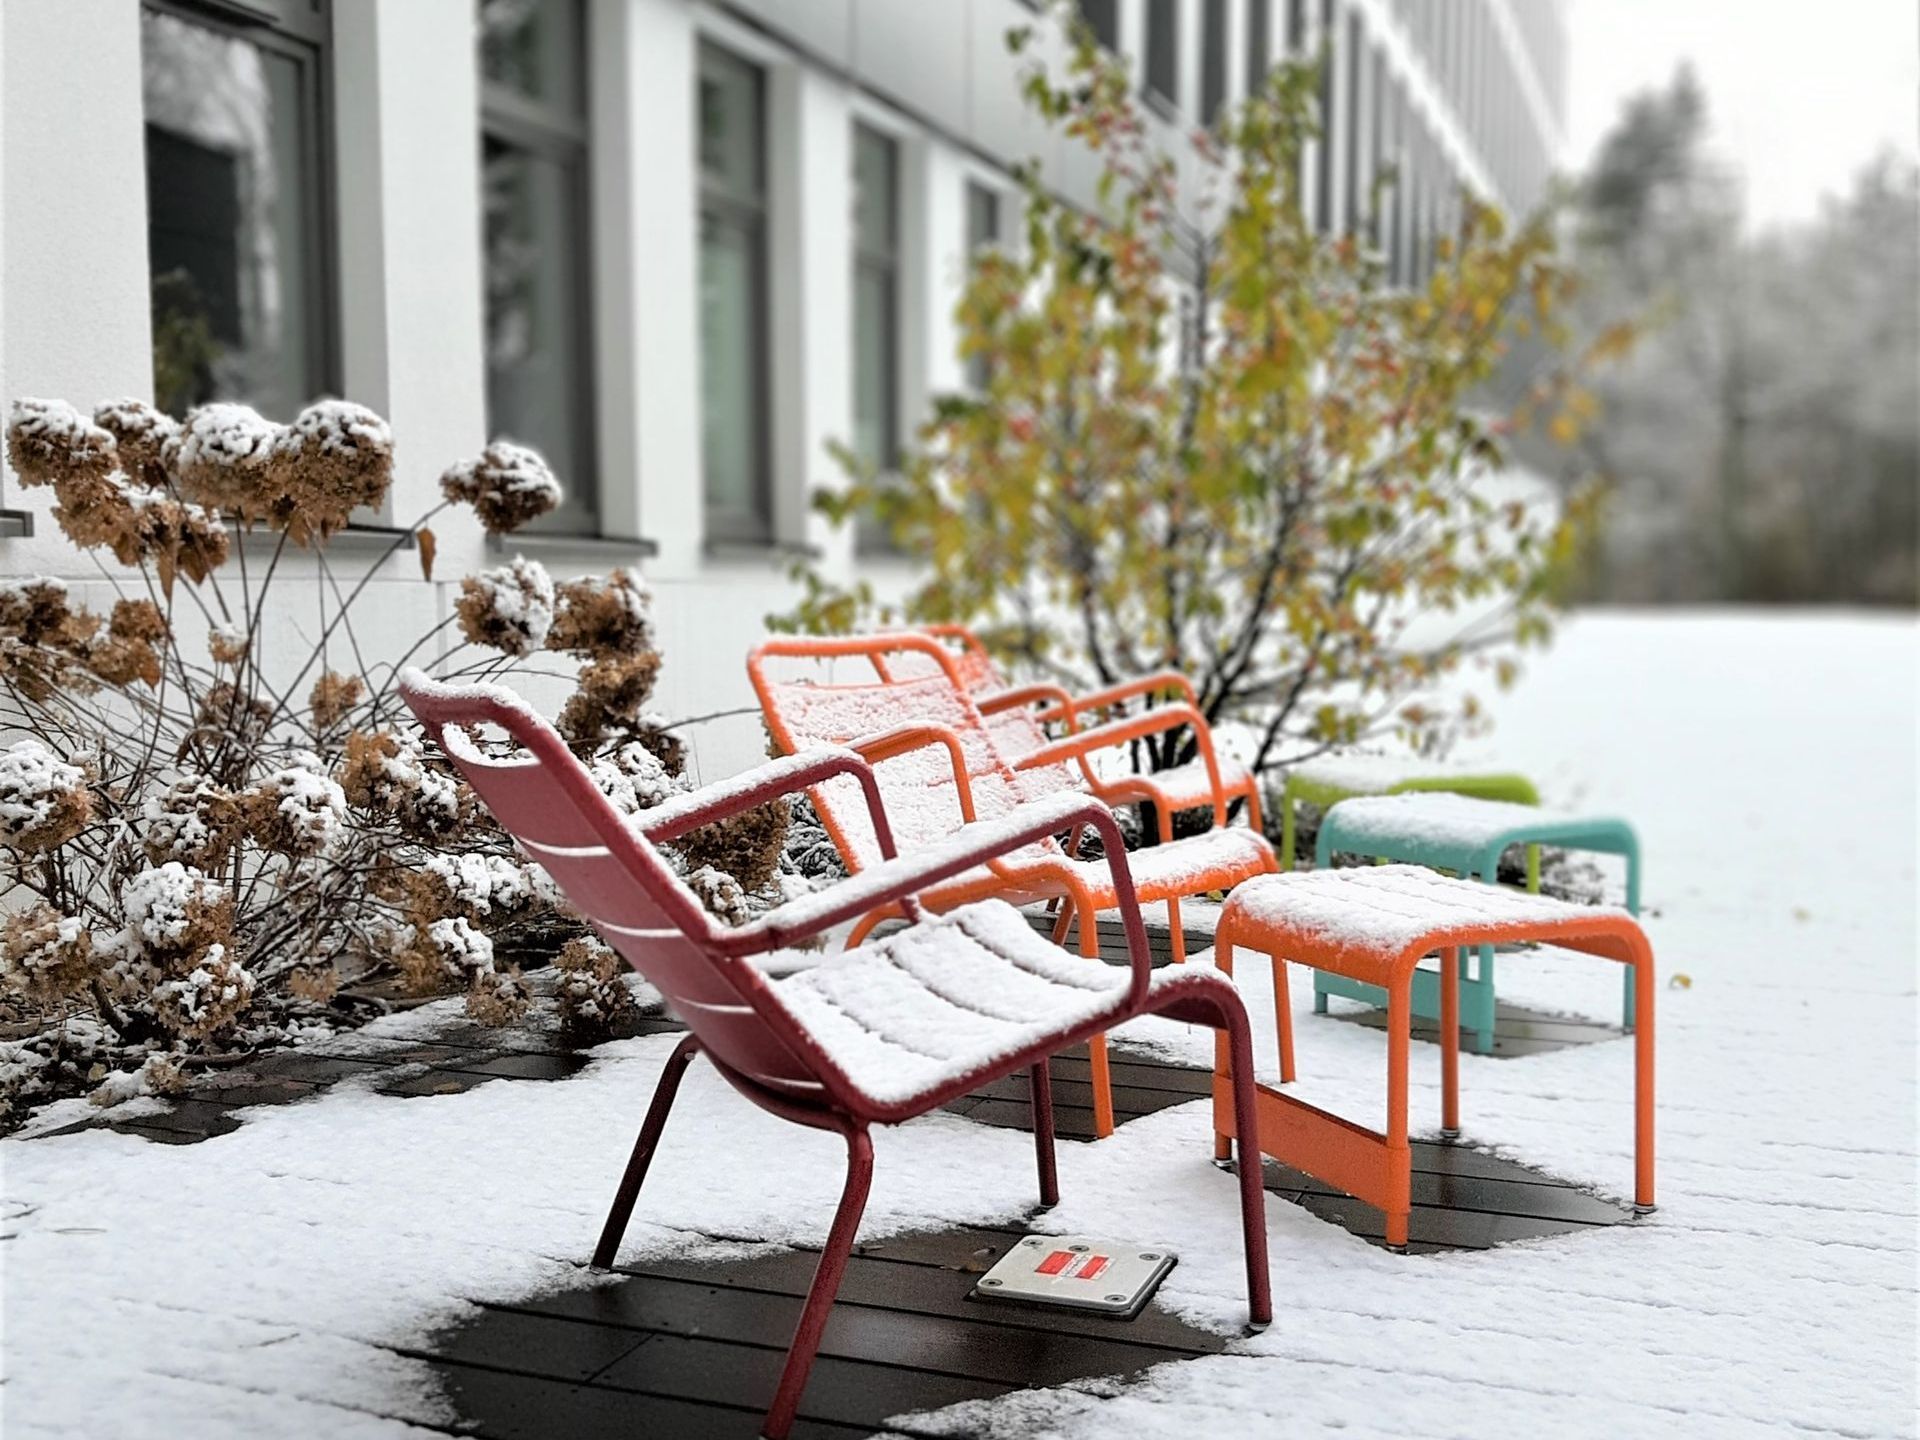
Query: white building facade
x,y
680,247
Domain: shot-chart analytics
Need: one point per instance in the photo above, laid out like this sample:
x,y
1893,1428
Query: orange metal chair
x,y
939,768
1374,924
1018,716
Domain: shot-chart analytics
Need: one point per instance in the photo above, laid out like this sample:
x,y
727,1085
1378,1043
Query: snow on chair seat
x,y
1375,924
805,1048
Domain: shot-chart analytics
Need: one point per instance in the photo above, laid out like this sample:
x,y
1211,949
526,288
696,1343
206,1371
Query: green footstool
x,y
1333,778
1466,836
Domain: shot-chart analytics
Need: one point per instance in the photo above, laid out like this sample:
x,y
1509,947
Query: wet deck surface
x,y
679,1349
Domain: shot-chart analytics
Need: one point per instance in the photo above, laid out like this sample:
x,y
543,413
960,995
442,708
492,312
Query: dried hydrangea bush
x,y
201,855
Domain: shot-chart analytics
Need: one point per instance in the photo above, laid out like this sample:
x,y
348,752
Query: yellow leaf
x,y
427,543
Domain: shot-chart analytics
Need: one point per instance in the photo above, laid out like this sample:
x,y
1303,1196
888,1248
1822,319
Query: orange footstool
x,y
1375,924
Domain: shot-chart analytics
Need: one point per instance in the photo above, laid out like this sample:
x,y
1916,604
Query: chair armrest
x,y
966,848
1054,695
1156,683
1129,728
904,739
675,817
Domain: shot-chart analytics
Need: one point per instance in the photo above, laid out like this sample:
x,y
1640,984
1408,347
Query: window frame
x,y
750,212
519,121
301,31
978,367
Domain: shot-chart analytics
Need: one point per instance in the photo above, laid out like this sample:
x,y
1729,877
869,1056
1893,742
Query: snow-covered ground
x,y
245,1286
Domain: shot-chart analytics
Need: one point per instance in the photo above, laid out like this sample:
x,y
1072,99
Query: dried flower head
x,y
601,617
296,810
49,442
120,661
610,696
470,884
222,457
632,777
44,801
44,954
141,434
668,748
510,609
390,776
137,620
207,999
721,894
333,696
591,989
159,1074
191,820
175,916
498,997
335,457
35,610
746,846
445,951
508,485
227,643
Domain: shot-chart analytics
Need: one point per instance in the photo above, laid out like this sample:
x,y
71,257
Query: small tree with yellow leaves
x,y
1214,439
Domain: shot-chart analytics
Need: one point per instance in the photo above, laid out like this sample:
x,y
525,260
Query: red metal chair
x,y
877,1034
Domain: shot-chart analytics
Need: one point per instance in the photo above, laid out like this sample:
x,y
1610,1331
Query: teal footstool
x,y
1466,836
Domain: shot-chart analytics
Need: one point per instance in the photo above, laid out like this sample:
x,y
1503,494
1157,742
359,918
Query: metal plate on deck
x,y
1078,1272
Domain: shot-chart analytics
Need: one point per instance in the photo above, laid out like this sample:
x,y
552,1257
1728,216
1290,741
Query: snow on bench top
x,y
1441,819
1375,774
1383,909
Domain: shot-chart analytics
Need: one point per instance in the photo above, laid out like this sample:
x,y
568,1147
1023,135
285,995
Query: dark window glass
x,y
876,287
1356,63
1103,16
1296,26
733,296
1213,60
238,233
534,199
1259,44
1163,50
983,232
1323,181
1377,148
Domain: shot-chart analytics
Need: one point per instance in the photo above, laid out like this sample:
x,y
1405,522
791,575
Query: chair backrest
x,y
918,788
1017,731
612,874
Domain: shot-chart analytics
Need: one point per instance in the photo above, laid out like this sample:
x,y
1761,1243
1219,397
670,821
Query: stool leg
x,y
1283,1018
1398,1158
1643,1084
1450,963
1627,1006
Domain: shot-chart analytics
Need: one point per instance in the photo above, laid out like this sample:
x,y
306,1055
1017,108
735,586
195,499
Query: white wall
x,y
73,302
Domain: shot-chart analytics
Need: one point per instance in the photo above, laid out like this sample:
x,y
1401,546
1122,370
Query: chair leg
x,y
1040,1079
826,1284
1176,937
1222,1052
1282,1018
1450,963
1253,1194
668,1087
1097,1044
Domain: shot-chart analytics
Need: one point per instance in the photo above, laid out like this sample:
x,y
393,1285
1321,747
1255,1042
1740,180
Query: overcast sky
x,y
1801,93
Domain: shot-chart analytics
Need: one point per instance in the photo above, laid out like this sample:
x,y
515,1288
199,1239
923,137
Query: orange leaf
x,y
425,539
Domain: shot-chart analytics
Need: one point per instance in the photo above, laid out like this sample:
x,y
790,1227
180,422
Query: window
x,y
1356,58
534,231
983,232
1163,50
1213,61
1259,45
733,297
1103,18
1323,179
876,310
238,230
